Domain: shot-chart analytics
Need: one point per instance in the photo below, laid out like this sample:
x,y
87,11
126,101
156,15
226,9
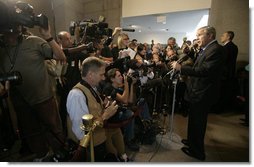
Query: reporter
x,y
72,74
120,51
38,118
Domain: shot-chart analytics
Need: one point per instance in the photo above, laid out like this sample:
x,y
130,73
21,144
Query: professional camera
x,y
13,15
122,64
91,29
14,77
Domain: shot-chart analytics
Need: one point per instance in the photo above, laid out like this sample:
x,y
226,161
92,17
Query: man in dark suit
x,y
202,88
231,51
229,81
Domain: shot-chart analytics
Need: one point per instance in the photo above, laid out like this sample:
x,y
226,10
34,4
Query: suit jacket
x,y
205,75
231,51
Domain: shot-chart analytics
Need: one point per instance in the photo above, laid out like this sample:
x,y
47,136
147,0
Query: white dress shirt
x,y
76,108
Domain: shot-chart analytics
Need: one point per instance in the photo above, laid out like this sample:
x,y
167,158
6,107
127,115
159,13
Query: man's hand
x,y
117,30
176,66
4,88
45,33
110,111
58,53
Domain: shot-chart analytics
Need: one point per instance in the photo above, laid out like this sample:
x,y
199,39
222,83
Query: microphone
x,y
173,72
182,59
128,29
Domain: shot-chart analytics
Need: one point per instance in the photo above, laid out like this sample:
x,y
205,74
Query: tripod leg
x,y
173,109
154,102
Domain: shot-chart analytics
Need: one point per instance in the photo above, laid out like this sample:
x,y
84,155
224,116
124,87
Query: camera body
x,y
13,77
91,29
13,15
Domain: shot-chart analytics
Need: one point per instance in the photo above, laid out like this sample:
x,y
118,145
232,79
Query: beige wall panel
x,y
232,15
146,7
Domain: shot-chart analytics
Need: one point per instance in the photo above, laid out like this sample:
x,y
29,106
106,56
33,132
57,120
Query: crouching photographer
x,y
38,119
118,88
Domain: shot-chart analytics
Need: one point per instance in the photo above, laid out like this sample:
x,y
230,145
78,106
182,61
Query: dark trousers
x,y
40,125
197,123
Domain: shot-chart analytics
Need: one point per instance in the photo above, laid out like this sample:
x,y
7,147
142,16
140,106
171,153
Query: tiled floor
x,y
226,141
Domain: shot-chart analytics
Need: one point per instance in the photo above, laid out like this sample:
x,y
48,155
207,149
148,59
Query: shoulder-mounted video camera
x,y
20,13
91,29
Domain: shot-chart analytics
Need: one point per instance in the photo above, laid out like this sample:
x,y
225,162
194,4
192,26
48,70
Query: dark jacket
x,y
231,51
205,75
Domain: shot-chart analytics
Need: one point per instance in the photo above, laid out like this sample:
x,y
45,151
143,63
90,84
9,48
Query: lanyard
x,y
13,58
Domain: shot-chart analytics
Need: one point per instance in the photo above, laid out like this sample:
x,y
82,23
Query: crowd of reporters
x,y
133,72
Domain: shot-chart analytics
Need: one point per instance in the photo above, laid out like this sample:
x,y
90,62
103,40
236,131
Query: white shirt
x,y
76,108
208,44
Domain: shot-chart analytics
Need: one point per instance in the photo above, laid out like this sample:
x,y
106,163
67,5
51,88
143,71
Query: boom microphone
x,y
128,29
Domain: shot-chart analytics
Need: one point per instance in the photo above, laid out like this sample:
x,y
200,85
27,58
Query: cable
x,y
159,144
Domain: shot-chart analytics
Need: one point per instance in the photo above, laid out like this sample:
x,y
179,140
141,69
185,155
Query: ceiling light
x,y
133,26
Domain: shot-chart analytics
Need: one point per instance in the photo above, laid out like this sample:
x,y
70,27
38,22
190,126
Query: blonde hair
x,y
120,40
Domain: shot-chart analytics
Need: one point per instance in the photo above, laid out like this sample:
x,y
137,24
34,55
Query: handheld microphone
x,y
128,29
173,72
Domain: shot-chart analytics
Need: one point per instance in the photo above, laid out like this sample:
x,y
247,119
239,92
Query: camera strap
x,y
14,57
97,97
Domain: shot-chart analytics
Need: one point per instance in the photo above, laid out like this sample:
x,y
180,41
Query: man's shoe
x,y
188,152
133,146
185,142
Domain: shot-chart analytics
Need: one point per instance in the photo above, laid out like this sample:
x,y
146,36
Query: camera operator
x,y
72,76
160,69
104,51
36,109
202,89
143,73
171,43
118,87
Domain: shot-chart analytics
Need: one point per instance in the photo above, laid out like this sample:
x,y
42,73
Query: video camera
x,y
13,15
91,29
